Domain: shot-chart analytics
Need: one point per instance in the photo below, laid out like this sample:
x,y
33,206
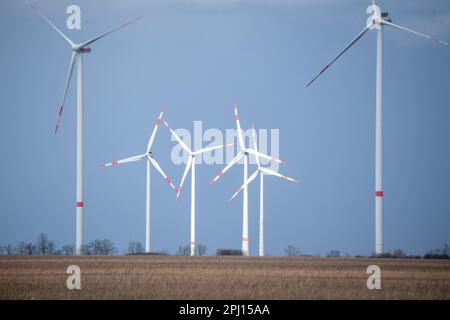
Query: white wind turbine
x,y
150,161
190,165
377,21
261,171
244,152
77,50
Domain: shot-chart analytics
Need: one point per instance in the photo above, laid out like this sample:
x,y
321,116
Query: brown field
x,y
167,277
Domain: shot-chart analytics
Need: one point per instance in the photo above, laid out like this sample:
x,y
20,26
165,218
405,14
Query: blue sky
x,y
197,58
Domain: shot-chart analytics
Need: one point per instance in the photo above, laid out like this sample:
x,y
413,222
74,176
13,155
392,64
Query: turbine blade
x,y
414,32
255,146
158,168
265,156
250,179
126,160
51,24
108,32
66,87
213,148
229,165
182,144
238,125
152,137
186,170
340,54
277,174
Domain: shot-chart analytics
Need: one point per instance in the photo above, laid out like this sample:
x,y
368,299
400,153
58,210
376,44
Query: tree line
x,y
44,246
443,253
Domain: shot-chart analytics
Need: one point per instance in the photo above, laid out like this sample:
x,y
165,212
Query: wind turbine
x,y
261,171
77,56
244,152
190,165
377,21
150,161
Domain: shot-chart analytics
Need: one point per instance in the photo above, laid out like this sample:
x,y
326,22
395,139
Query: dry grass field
x,y
167,277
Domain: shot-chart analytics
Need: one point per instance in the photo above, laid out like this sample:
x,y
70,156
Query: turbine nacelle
x,y
377,17
386,17
81,48
84,50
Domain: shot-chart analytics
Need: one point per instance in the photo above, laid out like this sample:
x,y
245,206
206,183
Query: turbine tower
x,y
190,165
244,152
261,171
150,162
78,49
377,21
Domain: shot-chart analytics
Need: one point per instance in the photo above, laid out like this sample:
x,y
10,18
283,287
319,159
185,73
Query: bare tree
x,y
139,247
135,247
183,251
68,249
292,251
4,250
334,254
51,247
42,244
9,250
201,249
86,249
398,253
96,247
101,247
446,249
30,248
108,247
21,248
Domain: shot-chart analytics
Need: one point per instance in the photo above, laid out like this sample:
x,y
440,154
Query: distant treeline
x,y
443,253
44,246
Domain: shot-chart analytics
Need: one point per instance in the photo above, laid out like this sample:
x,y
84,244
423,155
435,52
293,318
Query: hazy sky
x,y
197,58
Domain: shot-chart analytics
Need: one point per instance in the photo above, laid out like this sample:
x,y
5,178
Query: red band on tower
x,y
80,204
378,193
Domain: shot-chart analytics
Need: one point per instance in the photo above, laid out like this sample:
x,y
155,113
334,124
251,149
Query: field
x,y
167,277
